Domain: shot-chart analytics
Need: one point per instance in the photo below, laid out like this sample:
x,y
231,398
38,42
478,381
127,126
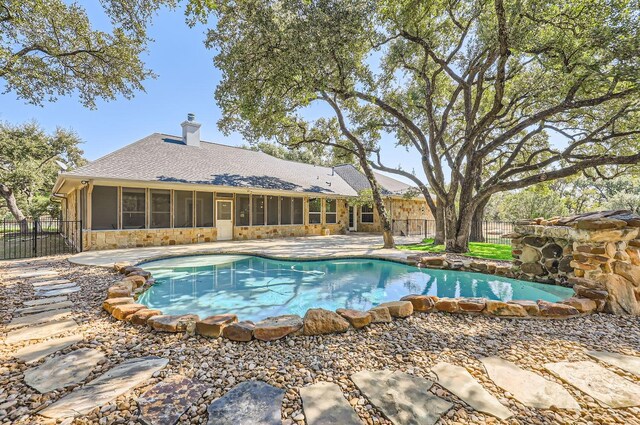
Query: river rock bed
x,y
413,345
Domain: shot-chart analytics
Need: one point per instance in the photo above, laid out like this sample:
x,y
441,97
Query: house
x,y
166,190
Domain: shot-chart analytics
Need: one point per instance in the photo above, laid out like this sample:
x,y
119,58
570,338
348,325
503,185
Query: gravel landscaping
x,y
413,345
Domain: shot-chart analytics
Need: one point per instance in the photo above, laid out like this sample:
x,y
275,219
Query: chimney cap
x,y
191,116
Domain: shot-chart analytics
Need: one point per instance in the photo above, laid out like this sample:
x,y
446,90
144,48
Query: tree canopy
x,y
491,95
50,49
30,160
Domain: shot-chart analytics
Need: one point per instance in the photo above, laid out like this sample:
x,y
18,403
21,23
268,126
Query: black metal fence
x,y
39,238
483,231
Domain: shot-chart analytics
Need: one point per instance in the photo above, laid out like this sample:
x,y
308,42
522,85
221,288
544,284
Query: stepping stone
x,y
45,307
629,363
459,381
56,292
251,402
35,352
324,404
35,273
54,287
39,283
41,331
166,401
105,388
62,371
596,381
42,301
32,319
402,398
527,387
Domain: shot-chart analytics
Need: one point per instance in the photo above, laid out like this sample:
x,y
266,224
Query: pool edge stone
x,y
274,328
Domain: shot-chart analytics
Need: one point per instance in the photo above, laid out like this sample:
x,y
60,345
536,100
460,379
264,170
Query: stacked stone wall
x,y
597,253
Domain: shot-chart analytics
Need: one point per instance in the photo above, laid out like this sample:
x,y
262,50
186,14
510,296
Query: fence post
x,y
80,234
35,238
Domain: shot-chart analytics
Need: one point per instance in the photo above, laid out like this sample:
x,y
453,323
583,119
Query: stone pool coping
x,y
120,303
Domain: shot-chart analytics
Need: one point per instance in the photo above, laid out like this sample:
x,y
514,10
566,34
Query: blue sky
x,y
186,82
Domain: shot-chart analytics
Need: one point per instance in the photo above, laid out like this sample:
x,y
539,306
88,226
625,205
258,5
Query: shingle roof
x,y
357,180
164,158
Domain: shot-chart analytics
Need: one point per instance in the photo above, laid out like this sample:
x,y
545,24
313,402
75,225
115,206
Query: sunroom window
x,y
104,208
133,208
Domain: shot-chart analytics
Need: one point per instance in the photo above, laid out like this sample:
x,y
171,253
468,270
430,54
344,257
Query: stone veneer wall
x,y
112,239
597,253
399,209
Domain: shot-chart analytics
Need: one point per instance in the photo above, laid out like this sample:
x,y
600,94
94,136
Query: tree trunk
x,y
387,233
440,225
477,230
12,205
457,229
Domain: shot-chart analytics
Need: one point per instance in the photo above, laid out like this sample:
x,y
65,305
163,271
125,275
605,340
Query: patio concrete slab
x,y
41,331
251,402
35,352
605,386
309,247
629,363
459,381
32,319
324,404
110,385
527,387
62,371
42,301
166,401
404,399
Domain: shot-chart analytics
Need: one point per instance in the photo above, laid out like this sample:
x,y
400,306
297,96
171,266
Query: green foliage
x,y
476,249
30,161
492,96
49,49
365,197
566,197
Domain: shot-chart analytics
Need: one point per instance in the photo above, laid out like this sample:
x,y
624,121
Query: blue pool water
x,y
255,287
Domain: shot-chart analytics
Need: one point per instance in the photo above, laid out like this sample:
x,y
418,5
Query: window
x,y
286,205
366,214
315,211
224,210
298,211
273,210
160,209
182,208
242,210
104,208
204,209
257,210
330,211
133,208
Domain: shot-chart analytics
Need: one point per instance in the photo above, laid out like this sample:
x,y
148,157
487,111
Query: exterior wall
x,y
112,239
398,209
267,232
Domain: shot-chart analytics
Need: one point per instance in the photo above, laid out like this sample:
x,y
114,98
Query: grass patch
x,y
492,251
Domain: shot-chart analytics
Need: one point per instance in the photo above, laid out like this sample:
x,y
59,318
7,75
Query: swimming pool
x,y
255,287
